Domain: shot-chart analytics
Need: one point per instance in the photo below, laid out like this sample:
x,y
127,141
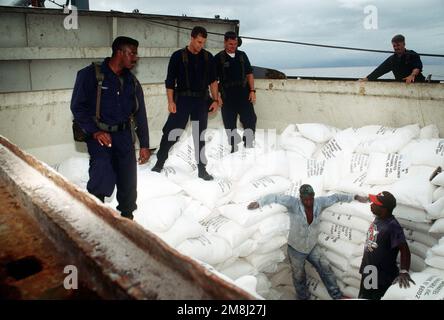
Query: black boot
x,y
157,167
203,174
100,197
128,215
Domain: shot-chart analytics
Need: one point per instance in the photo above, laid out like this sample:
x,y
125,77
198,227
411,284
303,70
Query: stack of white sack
x,y
241,233
208,220
255,238
420,240
426,226
436,209
282,281
250,284
317,289
261,161
435,256
304,140
342,238
435,259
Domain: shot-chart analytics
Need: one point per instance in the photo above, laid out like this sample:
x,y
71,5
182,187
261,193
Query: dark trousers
x,y
374,294
236,104
186,107
115,166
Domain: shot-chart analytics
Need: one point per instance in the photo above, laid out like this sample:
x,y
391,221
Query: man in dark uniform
x,y
190,71
111,146
236,85
385,239
405,64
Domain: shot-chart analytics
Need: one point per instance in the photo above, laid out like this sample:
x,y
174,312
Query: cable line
x,y
304,43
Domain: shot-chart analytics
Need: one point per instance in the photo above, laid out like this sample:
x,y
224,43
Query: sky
x,y
355,23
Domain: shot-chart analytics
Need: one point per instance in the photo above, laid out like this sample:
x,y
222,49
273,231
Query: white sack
x,y
183,229
385,168
426,152
210,193
239,268
342,232
414,189
438,226
207,248
429,132
427,287
261,261
436,209
438,180
274,163
389,140
292,140
159,215
344,141
438,193
317,132
345,220
259,188
245,217
152,185
227,229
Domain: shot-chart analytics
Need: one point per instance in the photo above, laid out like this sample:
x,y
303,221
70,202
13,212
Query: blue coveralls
x,y
201,74
116,165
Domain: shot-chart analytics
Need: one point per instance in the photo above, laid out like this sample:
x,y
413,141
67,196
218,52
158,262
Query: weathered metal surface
x,y
115,257
36,40
30,266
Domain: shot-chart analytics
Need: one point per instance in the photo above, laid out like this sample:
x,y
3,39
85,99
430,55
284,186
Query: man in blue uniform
x,y
385,239
305,213
236,86
108,110
405,64
190,72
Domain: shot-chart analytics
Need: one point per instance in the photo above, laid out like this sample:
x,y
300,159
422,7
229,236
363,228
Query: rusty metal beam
x,y
161,273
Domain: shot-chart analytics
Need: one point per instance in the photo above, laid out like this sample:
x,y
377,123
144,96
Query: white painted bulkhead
x,y
40,121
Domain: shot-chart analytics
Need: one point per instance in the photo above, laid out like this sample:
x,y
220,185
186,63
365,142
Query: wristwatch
x,y
253,90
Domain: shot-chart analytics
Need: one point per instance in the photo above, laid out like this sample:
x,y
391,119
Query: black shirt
x,y
401,66
229,69
197,66
381,248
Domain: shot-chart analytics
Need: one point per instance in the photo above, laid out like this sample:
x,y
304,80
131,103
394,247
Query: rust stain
x,y
22,240
362,89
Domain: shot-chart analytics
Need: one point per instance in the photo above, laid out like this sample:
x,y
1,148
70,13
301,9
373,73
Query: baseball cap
x,y
383,199
306,189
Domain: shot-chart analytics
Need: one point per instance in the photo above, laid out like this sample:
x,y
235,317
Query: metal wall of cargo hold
x,y
37,52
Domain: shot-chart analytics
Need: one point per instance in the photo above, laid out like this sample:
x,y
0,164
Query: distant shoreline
x,y
437,72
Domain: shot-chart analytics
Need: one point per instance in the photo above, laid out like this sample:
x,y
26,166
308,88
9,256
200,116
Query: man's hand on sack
x,y
361,199
404,280
253,205
104,138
